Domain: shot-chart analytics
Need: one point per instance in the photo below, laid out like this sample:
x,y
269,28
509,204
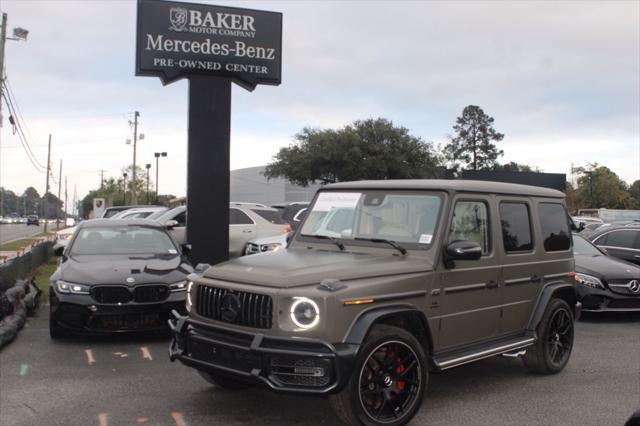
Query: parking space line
x,y
103,419
24,369
90,359
177,418
145,353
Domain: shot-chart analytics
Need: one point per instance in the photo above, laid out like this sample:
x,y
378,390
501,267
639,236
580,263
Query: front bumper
x,y
605,300
287,365
80,313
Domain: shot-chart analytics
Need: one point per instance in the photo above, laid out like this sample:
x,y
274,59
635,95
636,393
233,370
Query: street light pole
x,y
124,196
134,197
148,167
158,155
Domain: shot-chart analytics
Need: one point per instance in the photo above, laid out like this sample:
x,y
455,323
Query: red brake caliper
x,y
399,370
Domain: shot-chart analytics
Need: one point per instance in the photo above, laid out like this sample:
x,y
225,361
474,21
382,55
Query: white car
x,y
64,236
138,213
263,245
246,221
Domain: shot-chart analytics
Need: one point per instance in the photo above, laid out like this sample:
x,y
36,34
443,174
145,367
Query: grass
x,y
15,245
42,276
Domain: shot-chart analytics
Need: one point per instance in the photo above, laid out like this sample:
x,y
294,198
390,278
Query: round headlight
x,y
189,285
304,312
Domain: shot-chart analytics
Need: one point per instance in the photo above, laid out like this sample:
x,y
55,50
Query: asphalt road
x,y
15,232
129,381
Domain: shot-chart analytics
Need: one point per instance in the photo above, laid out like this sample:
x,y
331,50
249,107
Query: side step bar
x,y
465,358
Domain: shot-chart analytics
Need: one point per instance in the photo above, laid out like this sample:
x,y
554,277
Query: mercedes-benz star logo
x,y
229,307
634,286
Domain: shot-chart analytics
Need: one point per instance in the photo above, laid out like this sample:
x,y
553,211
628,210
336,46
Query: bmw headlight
x,y
304,313
179,286
588,280
67,287
188,298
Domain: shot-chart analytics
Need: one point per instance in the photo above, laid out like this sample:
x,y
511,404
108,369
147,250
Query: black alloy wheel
x,y
551,352
389,381
560,337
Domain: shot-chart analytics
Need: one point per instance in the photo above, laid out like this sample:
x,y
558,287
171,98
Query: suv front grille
x,y
248,309
113,294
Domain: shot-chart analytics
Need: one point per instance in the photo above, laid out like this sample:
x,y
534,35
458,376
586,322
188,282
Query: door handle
x,y
636,256
246,231
534,278
492,284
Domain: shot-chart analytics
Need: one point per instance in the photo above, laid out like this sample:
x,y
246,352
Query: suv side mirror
x,y
170,224
186,249
464,250
58,251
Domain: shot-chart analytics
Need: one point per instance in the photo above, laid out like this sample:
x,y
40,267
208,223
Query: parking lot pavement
x,y
128,380
15,232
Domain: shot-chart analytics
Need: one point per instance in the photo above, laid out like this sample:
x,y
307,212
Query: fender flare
x,y
548,292
360,327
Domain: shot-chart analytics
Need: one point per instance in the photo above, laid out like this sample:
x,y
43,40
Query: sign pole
x,y
208,168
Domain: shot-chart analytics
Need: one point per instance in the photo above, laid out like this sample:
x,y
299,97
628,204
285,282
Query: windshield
x,y
122,240
272,216
393,215
584,248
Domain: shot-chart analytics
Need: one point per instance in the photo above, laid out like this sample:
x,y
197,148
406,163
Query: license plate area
x,y
223,356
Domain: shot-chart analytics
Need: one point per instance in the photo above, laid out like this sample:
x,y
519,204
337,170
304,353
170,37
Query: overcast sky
x,y
561,79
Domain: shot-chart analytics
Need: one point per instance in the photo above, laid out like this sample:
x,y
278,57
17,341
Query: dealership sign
x,y
176,39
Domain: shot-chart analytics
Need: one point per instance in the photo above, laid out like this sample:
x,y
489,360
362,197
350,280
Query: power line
x,y
12,104
33,162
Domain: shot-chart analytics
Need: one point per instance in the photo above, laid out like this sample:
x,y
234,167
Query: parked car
x,y
292,213
116,276
421,276
620,240
109,212
63,237
266,244
139,213
246,221
606,283
33,219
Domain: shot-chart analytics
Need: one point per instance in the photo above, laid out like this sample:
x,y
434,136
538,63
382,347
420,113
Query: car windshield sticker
x,y
425,239
331,200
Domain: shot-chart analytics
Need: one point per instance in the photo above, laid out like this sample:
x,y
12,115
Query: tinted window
x,y
471,223
516,227
555,227
237,217
619,239
270,216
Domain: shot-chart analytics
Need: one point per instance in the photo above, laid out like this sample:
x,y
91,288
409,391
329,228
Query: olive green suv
x,y
384,283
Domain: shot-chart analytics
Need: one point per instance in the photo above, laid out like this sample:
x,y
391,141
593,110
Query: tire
x,y
377,384
55,331
552,351
224,381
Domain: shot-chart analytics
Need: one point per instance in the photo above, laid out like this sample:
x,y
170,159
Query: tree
x,y
599,187
472,143
634,192
31,200
512,166
365,149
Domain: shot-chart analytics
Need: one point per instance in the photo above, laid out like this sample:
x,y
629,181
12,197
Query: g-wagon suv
x,y
384,283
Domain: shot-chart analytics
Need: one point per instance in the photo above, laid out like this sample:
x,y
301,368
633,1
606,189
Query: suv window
x,y
270,216
238,217
622,238
471,222
554,223
516,227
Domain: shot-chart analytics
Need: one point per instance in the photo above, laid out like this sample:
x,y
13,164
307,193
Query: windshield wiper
x,y
382,240
327,237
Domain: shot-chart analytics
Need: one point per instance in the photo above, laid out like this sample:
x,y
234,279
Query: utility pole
x,y
74,210
148,167
134,196
3,39
101,178
66,208
59,195
46,190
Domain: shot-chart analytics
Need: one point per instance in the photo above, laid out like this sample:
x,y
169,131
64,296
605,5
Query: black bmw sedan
x,y
605,283
117,276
